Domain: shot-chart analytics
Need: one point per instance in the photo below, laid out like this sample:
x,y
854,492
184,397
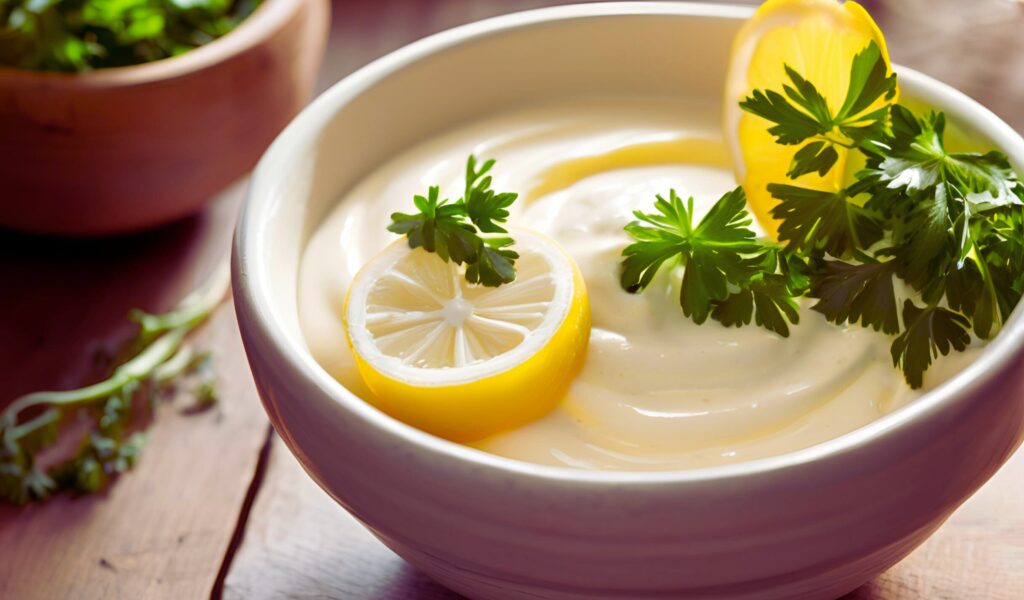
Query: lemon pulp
x,y
464,361
817,38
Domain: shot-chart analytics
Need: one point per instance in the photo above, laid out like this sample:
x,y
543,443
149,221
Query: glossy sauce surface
x,y
657,391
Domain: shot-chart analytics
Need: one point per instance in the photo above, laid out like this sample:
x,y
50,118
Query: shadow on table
x,y
868,591
411,584
68,299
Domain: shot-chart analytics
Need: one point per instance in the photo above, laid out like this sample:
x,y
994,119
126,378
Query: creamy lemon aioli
x,y
657,391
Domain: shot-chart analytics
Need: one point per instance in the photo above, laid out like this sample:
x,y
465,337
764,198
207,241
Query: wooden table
x,y
218,507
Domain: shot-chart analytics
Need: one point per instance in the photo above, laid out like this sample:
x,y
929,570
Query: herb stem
x,y
171,328
990,287
45,419
159,354
134,370
832,140
191,310
174,366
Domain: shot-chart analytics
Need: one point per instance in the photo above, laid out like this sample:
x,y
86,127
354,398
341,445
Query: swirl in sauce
x,y
657,391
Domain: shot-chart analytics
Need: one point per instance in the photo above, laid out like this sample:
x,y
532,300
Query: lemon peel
x,y
817,38
464,361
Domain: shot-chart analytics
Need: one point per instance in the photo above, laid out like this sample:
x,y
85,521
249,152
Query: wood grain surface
x,y
212,511
162,530
300,544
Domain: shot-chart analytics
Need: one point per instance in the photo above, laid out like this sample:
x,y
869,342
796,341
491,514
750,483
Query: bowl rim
x,y
263,23
251,286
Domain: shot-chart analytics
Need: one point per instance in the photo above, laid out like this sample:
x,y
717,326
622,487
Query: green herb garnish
x,y
727,274
81,35
463,231
926,245
801,113
158,356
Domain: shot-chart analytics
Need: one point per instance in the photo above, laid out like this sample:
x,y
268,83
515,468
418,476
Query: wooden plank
x,y
300,544
162,530
978,553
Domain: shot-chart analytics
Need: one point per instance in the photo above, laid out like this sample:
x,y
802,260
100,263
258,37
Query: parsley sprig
x,y
801,114
466,231
925,244
727,274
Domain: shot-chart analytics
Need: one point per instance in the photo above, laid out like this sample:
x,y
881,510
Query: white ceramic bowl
x,y
811,524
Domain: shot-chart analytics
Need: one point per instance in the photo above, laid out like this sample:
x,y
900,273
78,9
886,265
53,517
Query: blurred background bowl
x,y
122,149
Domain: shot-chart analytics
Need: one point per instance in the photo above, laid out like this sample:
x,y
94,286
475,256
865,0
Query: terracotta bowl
x,y
812,524
121,149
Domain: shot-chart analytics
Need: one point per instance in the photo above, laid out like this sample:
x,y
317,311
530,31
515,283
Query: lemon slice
x,y
818,38
464,361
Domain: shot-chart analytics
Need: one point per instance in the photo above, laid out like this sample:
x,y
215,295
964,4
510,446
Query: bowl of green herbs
x,y
118,115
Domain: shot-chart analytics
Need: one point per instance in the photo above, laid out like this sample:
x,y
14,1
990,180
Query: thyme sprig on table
x,y
158,356
925,245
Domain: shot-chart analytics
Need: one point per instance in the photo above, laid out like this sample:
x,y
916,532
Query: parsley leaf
x,y
815,157
942,196
495,263
439,227
484,207
948,224
803,114
768,299
919,162
853,293
714,253
792,125
76,35
807,97
945,228
718,254
870,80
1001,250
453,230
930,243
727,274
813,220
928,333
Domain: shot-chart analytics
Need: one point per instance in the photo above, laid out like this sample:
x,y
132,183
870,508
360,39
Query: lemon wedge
x,y
818,38
464,361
